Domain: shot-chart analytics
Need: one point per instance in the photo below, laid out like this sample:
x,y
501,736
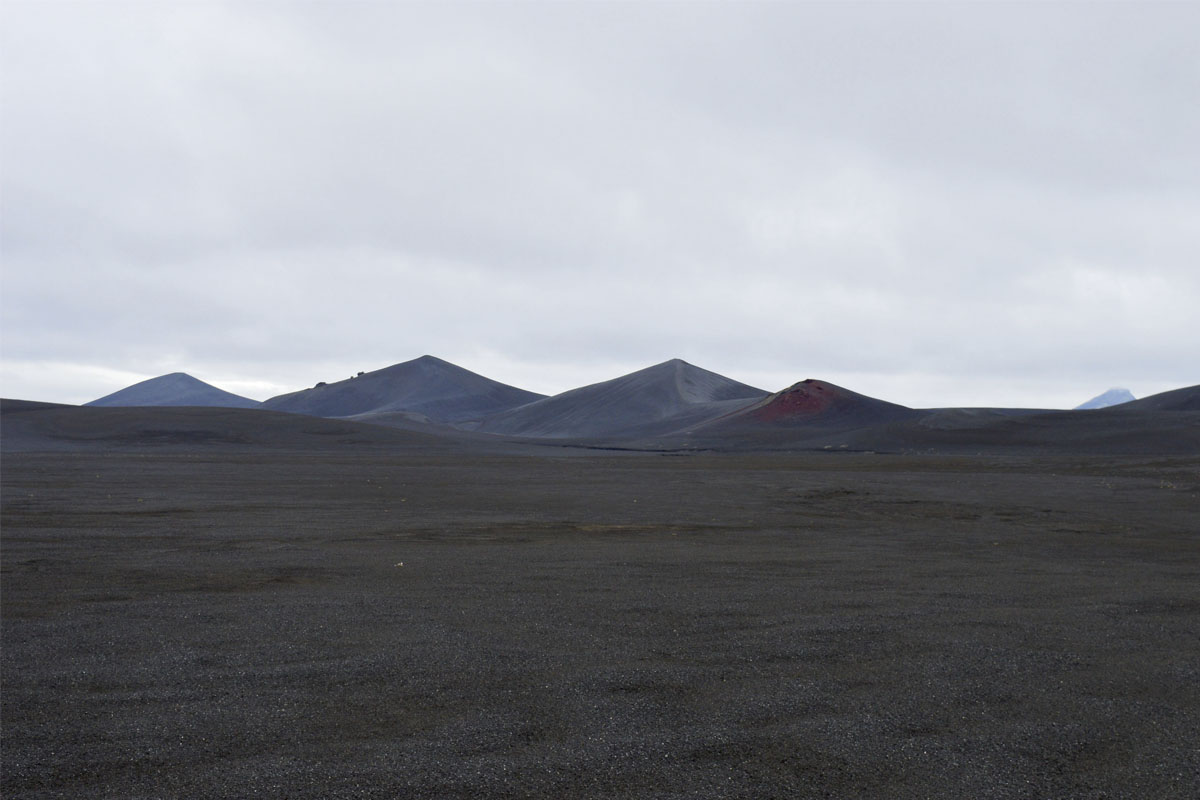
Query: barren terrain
x,y
199,620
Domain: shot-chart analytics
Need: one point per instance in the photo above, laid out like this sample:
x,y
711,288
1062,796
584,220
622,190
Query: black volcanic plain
x,y
218,602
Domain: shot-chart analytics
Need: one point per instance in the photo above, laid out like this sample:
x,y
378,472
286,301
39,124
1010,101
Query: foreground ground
x,y
231,623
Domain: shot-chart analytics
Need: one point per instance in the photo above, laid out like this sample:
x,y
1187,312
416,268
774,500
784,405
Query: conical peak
x,y
174,389
684,377
670,365
424,364
427,385
813,386
1112,397
427,362
809,396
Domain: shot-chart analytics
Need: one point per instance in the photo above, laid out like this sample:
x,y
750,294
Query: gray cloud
x,y
936,203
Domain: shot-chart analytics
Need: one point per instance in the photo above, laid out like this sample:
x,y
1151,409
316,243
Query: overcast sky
x,y
937,204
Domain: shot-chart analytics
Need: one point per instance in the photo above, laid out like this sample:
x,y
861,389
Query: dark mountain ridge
x,y
657,399
669,406
429,386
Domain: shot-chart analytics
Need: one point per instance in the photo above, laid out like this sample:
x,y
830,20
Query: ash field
x,y
717,592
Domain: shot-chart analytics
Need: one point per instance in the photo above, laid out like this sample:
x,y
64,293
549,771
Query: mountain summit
x,y
174,389
437,389
657,399
1112,397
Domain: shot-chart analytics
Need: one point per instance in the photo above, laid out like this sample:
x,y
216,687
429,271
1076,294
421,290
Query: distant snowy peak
x,y
1112,397
174,389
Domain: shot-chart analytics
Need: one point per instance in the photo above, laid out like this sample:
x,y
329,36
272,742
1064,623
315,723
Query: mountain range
x,y
668,406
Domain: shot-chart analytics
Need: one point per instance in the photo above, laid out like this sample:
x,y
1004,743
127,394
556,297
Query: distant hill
x,y
428,386
174,389
658,399
1110,398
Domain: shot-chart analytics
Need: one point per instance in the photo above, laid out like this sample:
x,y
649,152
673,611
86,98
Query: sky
x,y
935,204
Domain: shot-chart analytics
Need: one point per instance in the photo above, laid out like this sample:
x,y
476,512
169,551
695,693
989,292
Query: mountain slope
x,y
1185,399
437,389
1112,397
174,389
658,399
1116,431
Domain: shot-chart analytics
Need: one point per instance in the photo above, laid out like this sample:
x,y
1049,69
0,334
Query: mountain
x,y
174,389
428,386
658,399
1110,398
813,404
812,416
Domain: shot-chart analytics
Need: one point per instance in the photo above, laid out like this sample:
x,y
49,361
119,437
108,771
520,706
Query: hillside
x,y
428,386
174,389
655,400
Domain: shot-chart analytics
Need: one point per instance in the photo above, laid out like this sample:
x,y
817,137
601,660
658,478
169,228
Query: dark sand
x,y
221,622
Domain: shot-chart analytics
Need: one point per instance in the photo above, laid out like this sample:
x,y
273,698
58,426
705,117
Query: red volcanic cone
x,y
816,403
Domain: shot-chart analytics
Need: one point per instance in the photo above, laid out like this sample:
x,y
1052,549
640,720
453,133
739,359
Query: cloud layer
x,y
938,204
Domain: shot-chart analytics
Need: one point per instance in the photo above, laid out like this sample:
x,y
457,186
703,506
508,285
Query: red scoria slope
x,y
815,403
807,398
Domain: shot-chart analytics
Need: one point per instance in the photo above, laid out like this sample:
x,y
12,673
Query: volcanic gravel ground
x,y
222,623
